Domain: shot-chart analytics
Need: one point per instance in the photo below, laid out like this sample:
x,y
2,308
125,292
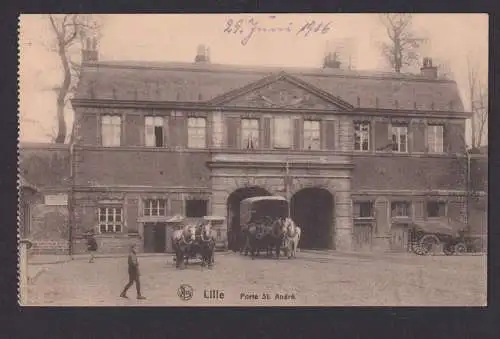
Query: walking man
x,y
91,245
133,274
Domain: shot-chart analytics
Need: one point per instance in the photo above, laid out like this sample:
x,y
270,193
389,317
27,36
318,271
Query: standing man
x,y
133,274
91,245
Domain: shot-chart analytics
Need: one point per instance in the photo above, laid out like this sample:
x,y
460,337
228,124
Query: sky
x,y
165,37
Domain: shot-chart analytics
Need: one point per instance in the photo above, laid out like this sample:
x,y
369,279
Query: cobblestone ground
x,y
313,278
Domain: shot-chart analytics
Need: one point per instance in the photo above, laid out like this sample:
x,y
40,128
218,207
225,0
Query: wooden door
x,y
399,237
149,238
363,237
160,238
168,238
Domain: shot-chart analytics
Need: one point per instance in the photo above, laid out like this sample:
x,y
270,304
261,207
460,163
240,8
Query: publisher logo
x,y
185,292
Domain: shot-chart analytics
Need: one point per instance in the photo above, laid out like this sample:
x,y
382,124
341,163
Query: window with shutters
x,y
110,219
249,133
436,209
399,138
363,209
400,209
154,131
196,208
312,135
282,132
197,134
155,207
435,138
361,136
111,130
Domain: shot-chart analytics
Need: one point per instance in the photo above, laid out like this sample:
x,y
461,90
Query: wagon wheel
x,y
449,249
428,243
460,248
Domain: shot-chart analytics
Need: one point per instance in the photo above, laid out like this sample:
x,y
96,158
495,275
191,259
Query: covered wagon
x,y
260,228
427,236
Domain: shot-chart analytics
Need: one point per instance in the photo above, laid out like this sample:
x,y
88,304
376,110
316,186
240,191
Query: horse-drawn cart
x,y
426,237
260,226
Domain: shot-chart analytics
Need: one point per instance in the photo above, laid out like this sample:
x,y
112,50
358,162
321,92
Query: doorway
x,y
233,211
155,237
312,211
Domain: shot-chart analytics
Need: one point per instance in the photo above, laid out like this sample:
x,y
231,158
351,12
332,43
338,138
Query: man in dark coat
x,y
133,274
91,245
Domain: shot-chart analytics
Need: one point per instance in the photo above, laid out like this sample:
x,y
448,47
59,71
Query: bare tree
x,y
478,100
70,32
402,48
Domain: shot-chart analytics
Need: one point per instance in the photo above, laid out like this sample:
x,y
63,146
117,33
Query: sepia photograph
x,y
253,160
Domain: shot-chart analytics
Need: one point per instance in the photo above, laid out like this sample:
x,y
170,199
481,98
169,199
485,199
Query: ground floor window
x,y
400,209
155,207
436,209
363,209
196,208
110,219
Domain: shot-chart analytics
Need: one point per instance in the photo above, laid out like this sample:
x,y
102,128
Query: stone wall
x,y
44,165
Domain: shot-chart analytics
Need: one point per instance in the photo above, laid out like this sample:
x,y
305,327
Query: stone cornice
x,y
202,106
141,189
279,165
312,154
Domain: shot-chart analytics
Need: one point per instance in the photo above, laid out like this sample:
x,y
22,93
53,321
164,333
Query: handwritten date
x,y
248,28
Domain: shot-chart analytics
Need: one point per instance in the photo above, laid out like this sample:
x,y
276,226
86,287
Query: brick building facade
x,y
359,155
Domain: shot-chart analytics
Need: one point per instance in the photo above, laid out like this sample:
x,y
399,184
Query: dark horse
x,y
205,238
267,236
183,241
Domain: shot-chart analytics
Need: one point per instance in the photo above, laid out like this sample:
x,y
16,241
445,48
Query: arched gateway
x,y
312,209
233,210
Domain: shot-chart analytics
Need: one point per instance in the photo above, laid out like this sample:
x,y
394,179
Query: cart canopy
x,y
255,208
214,218
176,219
441,226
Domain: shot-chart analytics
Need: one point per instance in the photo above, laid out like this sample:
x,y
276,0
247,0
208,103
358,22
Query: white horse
x,y
293,233
182,241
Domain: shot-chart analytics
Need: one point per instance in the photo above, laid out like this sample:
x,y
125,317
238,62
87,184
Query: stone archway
x,y
233,210
312,210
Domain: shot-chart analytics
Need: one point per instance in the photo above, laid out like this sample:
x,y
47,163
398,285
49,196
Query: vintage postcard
x,y
253,160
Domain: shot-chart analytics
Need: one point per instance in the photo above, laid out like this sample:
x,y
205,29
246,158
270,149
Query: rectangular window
x,y
312,135
196,208
155,207
197,132
399,139
436,209
435,135
282,132
400,209
111,130
154,131
361,136
110,219
363,209
249,133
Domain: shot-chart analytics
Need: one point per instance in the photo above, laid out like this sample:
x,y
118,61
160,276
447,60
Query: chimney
x,y
202,54
428,70
89,50
330,61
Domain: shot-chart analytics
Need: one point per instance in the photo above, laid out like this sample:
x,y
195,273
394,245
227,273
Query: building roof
x,y
197,83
